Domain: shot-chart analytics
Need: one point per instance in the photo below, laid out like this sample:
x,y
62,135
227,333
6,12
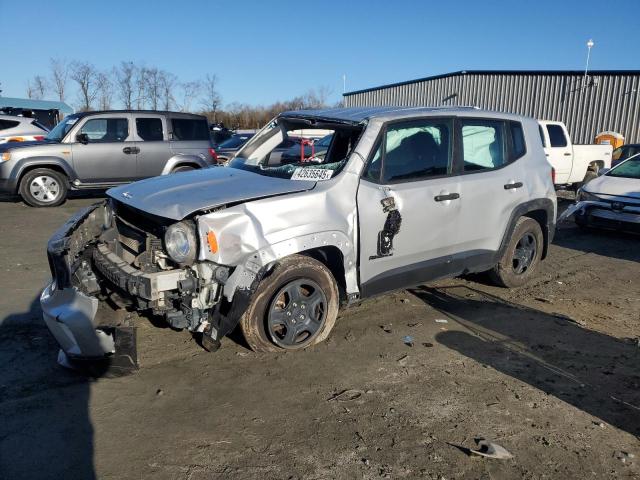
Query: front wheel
x,y
43,187
522,255
294,307
182,168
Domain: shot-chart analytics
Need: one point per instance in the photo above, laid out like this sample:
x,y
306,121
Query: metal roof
x,y
31,104
359,114
496,72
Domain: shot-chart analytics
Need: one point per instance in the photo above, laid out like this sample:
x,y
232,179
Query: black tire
x,y
182,168
294,272
43,187
522,255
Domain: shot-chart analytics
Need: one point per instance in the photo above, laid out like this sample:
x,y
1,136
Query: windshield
x,y
262,154
61,129
628,169
235,141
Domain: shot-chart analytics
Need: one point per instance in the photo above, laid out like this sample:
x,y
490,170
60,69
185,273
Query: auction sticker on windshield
x,y
312,174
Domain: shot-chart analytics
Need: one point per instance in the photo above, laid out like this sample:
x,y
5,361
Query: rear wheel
x,y
522,255
43,187
294,307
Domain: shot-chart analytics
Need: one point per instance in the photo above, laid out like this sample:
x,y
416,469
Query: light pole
x,y
590,44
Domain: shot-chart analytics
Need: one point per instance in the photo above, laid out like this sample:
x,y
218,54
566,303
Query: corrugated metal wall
x,y
609,102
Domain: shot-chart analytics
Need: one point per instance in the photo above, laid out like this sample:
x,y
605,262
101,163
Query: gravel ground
x,y
549,371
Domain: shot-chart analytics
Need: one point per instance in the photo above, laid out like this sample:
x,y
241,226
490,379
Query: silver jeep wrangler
x,y
400,197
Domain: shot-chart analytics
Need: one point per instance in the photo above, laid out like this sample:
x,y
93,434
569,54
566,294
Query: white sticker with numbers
x,y
311,174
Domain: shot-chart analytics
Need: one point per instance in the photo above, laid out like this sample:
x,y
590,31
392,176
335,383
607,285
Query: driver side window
x,y
103,130
413,150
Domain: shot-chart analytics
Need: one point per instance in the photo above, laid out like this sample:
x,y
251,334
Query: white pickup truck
x,y
574,165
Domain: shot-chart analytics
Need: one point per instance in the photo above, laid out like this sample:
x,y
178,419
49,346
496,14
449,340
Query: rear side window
x,y
544,142
149,129
7,124
106,129
483,144
556,136
189,129
518,147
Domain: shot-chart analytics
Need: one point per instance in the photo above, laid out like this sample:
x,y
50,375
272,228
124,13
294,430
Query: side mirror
x,y
82,138
602,171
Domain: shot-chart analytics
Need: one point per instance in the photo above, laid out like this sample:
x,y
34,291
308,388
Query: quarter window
x,y
149,129
556,136
106,129
483,145
415,150
189,129
7,124
518,146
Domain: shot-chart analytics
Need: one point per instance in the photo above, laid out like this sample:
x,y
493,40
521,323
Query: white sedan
x,y
612,200
21,129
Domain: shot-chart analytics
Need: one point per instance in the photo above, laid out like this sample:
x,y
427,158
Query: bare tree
x,y
40,85
153,87
59,77
168,82
190,90
212,99
125,83
105,90
31,92
85,75
141,87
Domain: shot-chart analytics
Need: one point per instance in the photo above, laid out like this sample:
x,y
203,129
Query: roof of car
x,y
156,112
16,118
359,114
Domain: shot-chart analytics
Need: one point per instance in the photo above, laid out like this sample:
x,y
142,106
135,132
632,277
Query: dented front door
x,y
408,209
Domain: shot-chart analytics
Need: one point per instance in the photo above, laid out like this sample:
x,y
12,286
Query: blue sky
x,y
263,51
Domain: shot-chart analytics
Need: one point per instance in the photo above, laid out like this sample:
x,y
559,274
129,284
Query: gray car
x,y
402,196
103,149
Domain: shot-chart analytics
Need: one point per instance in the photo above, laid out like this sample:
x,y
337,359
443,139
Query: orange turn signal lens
x,y
6,156
16,139
212,241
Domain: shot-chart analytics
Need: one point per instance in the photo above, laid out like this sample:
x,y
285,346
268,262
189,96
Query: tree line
x,y
137,86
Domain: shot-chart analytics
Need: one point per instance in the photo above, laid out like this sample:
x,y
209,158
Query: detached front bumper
x,y
69,313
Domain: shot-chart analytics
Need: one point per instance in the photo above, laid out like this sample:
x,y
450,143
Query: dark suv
x,y
103,149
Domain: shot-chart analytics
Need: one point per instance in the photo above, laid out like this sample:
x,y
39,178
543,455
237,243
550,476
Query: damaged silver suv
x,y
401,196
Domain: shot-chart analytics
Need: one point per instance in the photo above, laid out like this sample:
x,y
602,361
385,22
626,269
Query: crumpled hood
x,y
178,195
614,186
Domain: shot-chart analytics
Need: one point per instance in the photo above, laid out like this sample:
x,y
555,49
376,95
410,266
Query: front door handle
x,y
449,196
510,186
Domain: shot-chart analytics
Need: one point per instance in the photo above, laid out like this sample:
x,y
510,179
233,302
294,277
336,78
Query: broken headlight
x,y
181,243
584,196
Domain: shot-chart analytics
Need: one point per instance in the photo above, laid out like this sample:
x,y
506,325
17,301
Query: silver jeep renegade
x,y
400,197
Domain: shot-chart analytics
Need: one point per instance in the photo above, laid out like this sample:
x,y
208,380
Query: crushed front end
x,y
110,254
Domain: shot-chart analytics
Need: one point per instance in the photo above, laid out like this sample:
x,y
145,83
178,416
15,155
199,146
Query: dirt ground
x,y
548,371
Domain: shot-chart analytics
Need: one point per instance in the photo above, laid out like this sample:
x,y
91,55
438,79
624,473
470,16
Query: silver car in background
x,y
401,197
21,129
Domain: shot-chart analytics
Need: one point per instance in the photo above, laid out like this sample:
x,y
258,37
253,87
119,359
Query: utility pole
x,y
590,45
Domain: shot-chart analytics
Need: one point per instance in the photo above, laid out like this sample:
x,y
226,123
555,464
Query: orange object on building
x,y
614,139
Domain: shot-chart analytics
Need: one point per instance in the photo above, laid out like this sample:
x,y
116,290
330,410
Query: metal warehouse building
x,y
607,100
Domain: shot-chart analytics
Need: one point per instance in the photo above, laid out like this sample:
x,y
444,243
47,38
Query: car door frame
x,y
128,142
560,158
143,146
405,275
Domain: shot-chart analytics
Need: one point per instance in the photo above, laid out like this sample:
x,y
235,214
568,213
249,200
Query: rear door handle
x,y
567,154
510,186
128,150
449,196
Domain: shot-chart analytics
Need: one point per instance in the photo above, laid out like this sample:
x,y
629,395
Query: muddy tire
x,y
182,168
43,187
522,256
294,307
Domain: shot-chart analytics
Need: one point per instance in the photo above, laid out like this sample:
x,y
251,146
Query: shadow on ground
x,y
39,443
591,371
